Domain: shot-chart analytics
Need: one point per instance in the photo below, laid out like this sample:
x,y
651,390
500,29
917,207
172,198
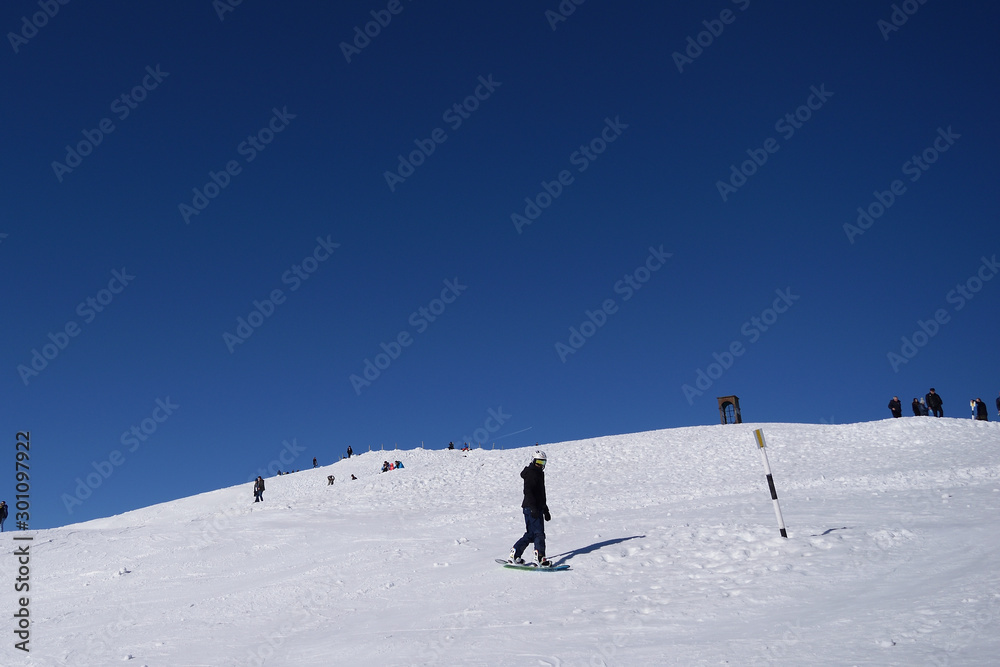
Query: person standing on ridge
x,y
934,403
982,413
534,508
258,490
896,407
916,407
349,451
3,513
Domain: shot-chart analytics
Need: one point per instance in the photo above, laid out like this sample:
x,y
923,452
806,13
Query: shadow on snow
x,y
569,555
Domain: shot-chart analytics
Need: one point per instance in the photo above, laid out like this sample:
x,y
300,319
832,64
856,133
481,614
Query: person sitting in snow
x,y
258,489
352,476
534,509
385,466
451,445
465,447
399,465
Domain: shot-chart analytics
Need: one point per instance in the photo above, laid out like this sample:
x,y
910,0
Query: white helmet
x,y
539,456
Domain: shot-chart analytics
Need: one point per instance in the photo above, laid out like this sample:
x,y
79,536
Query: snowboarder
x,y
982,414
934,403
896,407
3,513
534,509
349,451
258,490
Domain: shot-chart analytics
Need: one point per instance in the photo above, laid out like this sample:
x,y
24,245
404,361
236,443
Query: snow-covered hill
x,y
893,558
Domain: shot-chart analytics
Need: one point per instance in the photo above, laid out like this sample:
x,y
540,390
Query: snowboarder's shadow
x,y
562,558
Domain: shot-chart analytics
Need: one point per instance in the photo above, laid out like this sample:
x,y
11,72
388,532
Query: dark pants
x,y
938,412
534,532
258,496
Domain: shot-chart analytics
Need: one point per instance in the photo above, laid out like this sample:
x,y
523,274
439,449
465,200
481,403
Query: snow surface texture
x,y
892,559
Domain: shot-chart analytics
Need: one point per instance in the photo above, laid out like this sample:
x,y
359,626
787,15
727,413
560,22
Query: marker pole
x,y
759,435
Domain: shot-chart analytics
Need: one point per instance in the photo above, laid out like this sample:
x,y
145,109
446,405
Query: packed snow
x,y
892,558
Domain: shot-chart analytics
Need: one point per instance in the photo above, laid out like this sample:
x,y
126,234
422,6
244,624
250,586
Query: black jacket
x,y
534,489
3,512
934,401
897,408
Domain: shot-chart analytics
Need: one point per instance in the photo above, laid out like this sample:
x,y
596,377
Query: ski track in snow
x,y
892,559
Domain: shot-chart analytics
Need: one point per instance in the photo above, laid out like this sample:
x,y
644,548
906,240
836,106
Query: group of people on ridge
x,y
932,403
921,406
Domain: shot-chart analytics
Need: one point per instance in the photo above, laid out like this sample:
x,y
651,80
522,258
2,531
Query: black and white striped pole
x,y
759,434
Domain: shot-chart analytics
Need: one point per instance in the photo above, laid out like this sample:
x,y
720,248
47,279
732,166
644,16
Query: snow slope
x,y
892,559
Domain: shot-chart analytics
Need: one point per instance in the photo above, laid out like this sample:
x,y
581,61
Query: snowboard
x,y
511,566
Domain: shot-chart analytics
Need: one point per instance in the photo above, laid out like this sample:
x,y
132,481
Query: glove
x,y
548,517
534,513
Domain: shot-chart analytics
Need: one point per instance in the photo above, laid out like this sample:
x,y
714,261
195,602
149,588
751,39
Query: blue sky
x,y
532,229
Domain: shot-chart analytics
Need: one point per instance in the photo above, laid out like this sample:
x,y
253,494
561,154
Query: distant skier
x,y
982,413
896,407
934,403
534,508
3,513
258,490
916,407
349,451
